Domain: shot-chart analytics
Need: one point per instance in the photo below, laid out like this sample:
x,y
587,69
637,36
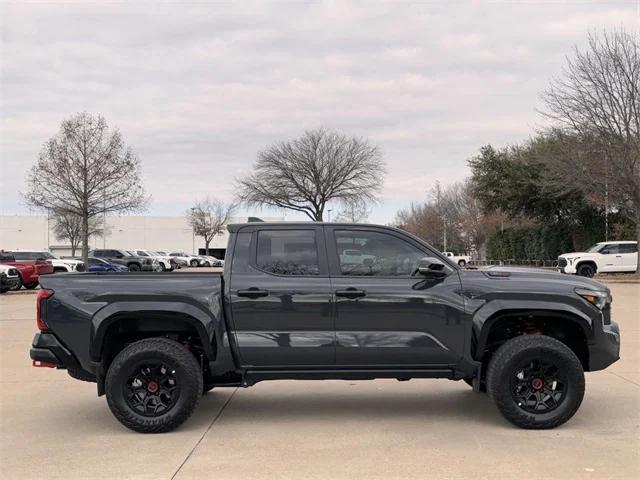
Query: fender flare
x,y
203,322
490,313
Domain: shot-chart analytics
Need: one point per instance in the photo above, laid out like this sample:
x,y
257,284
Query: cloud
x,y
198,89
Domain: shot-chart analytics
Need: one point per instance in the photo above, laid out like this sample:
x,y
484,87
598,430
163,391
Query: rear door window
x,y
287,252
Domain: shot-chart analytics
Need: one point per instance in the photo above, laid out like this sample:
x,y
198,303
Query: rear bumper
x,y
606,348
48,349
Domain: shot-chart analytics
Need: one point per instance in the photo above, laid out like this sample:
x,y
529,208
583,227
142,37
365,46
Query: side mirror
x,y
605,252
431,267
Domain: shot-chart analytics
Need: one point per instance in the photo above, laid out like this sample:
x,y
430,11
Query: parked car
x,y
101,265
164,261
177,262
461,260
59,264
29,270
603,257
9,278
192,260
122,257
213,261
287,309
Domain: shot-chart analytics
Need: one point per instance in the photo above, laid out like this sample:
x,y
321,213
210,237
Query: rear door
x,y
386,315
281,297
628,256
611,258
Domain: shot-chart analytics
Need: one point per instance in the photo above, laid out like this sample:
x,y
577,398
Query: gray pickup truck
x,y
326,301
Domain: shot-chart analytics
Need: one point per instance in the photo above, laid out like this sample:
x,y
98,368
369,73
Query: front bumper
x,y
47,348
7,283
605,349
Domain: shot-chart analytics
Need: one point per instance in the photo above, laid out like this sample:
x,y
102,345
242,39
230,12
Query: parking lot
x,y
56,427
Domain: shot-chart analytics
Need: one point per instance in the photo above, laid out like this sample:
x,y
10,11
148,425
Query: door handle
x,y
253,292
618,256
350,293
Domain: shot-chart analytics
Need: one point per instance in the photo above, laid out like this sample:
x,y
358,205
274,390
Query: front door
x,y
386,314
281,298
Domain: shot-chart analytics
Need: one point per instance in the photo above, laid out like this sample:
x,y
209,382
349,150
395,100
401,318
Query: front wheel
x,y
586,270
462,263
194,263
134,267
153,385
536,381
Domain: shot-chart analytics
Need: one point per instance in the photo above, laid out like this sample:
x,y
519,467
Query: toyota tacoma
x,y
296,302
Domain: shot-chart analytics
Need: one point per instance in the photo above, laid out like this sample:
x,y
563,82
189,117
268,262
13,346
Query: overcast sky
x,y
198,88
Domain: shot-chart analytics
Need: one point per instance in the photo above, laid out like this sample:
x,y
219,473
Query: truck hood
x,y
575,254
541,277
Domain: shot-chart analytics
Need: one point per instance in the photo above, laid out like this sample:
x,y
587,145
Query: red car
x,y
30,270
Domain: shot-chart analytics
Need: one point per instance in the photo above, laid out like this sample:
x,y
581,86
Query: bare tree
x,y
209,217
355,211
68,226
598,98
86,170
306,173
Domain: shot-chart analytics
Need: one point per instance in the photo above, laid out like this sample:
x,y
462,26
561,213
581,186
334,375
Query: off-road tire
x,y
503,366
81,375
178,358
586,270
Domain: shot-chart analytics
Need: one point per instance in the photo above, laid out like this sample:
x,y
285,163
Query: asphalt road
x,y
54,427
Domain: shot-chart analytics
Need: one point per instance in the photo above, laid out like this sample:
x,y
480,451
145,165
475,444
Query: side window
x,y
375,254
610,249
241,255
98,253
628,247
287,252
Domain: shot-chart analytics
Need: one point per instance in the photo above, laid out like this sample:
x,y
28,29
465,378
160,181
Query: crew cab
x,y
603,257
291,304
29,270
461,260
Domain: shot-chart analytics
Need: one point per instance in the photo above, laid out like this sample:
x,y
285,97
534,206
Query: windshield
x,y
594,248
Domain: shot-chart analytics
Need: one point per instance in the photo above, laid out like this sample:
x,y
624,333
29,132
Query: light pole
x,y
193,233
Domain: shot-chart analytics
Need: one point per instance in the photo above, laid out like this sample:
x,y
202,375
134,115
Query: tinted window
x,y
288,252
628,248
610,249
7,257
375,253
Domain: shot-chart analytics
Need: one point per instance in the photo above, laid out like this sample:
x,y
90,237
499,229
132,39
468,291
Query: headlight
x,y
599,298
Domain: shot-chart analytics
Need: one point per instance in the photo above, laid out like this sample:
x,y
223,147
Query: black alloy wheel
x,y
151,389
539,386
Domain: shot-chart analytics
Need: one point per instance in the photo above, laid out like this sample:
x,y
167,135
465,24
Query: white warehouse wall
x,y
29,232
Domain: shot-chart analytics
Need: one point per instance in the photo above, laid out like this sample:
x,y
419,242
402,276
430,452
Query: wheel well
x,y
558,326
587,262
126,330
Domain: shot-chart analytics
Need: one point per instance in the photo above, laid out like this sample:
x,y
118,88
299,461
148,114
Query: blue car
x,y
101,265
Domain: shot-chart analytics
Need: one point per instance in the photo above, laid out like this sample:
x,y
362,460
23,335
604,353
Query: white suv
x,y
164,261
603,257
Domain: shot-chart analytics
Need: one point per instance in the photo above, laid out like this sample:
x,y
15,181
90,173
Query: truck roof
x,y
234,227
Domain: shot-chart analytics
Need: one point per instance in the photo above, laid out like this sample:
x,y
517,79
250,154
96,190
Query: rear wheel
x,y
194,263
586,270
17,285
162,267
536,381
153,385
462,263
134,267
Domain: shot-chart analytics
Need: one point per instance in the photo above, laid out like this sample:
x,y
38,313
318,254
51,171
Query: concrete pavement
x,y
52,426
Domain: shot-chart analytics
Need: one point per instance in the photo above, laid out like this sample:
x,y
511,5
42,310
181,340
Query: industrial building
x,y
168,234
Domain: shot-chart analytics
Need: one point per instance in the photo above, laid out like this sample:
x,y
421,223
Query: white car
x,y
192,260
59,264
603,257
9,278
213,261
461,260
164,261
